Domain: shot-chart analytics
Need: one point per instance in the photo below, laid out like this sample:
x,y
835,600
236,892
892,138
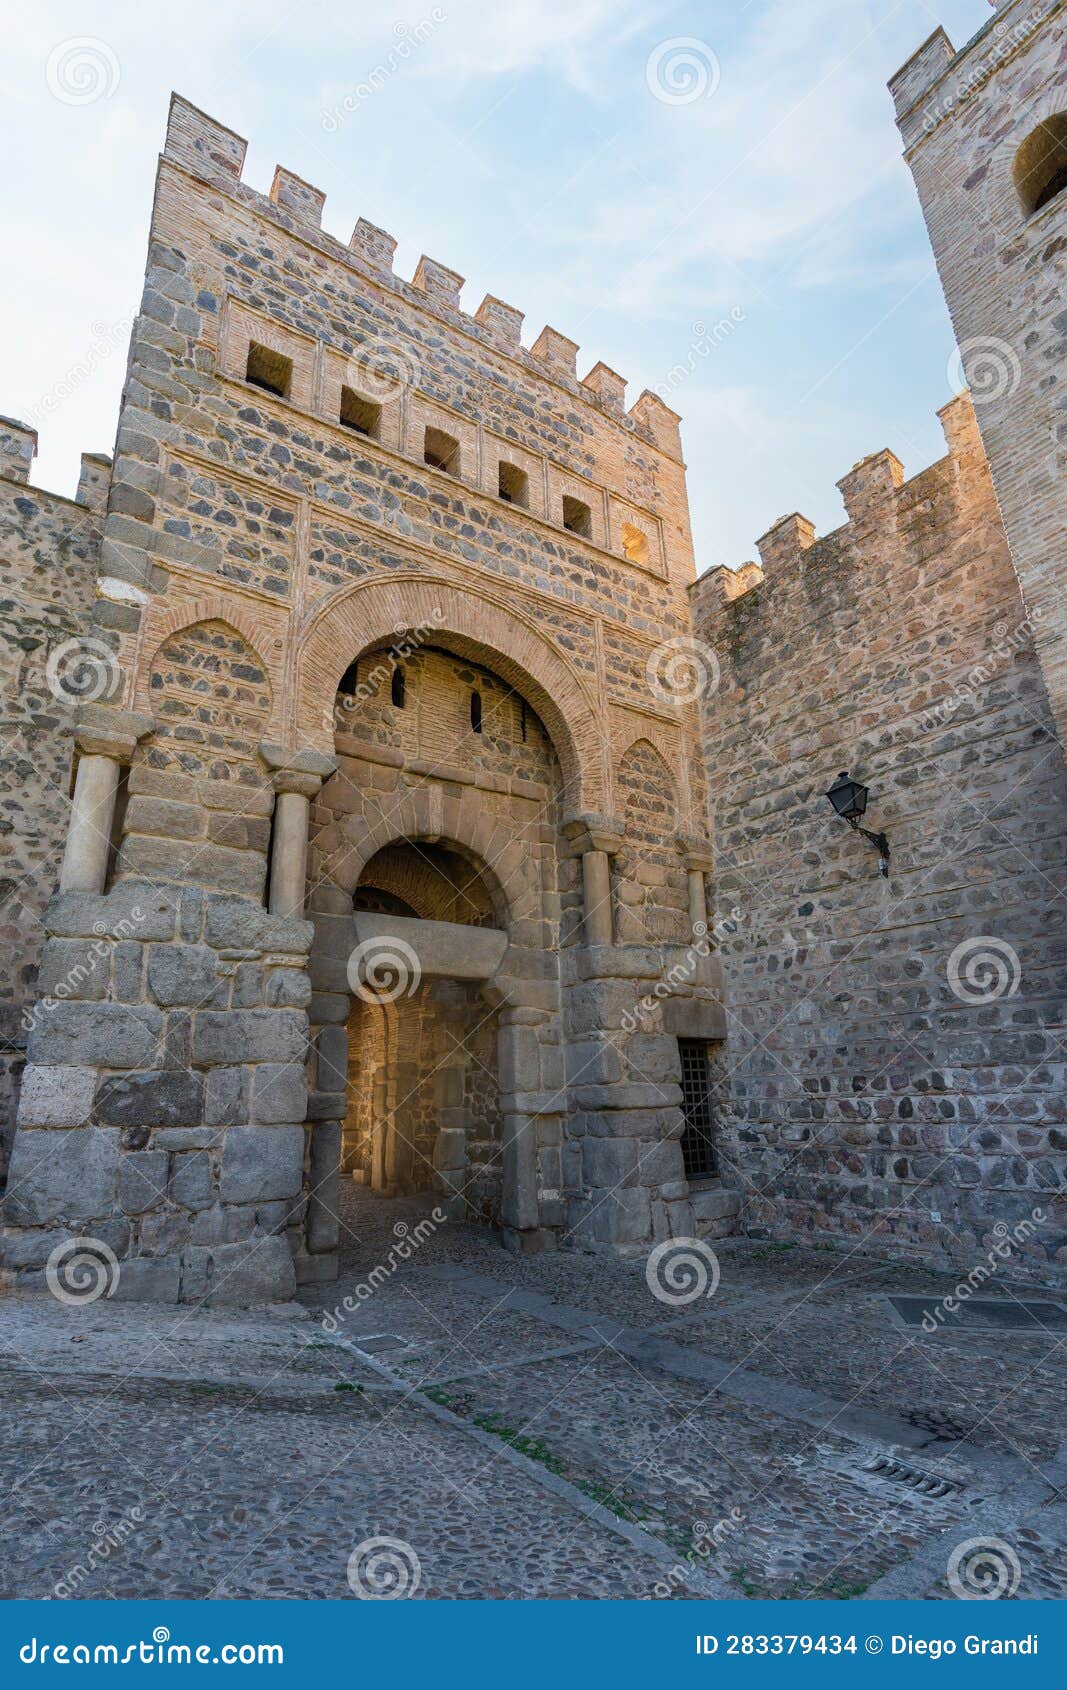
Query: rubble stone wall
x,y
893,1075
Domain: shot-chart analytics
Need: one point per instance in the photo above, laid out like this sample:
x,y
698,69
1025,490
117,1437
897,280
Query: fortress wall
x,y
48,554
860,1093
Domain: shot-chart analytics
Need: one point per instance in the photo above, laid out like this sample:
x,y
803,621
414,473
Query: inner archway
x,y
423,1096
441,831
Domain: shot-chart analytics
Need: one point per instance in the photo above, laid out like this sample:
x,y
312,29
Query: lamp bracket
x,y
878,840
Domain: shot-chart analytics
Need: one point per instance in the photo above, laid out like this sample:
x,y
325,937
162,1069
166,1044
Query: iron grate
x,y
979,1314
698,1134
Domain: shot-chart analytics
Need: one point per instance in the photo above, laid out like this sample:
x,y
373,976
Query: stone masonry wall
x,y
965,118
894,1050
164,1098
48,554
255,544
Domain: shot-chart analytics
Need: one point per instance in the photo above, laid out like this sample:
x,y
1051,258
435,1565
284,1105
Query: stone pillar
x,y
595,838
297,777
696,854
106,740
289,848
89,833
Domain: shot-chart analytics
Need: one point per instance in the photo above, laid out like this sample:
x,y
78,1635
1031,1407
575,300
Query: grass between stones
x,y
535,1449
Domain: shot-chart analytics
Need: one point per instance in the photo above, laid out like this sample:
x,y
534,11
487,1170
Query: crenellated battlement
x,y
937,81
874,491
213,153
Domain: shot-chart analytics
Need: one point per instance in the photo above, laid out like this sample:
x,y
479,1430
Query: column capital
x,y
590,831
100,731
294,770
295,780
696,852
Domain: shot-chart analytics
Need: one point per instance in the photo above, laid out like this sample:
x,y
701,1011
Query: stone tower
x,y
985,136
389,610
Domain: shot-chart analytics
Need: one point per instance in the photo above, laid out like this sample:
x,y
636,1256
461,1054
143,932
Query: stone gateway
x,y
385,799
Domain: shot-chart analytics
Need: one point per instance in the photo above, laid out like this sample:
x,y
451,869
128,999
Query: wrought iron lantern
x,y
849,799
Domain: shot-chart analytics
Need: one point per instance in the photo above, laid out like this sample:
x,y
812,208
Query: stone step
x,y
724,1228
715,1203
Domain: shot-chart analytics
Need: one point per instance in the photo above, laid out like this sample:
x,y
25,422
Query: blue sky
x,y
756,252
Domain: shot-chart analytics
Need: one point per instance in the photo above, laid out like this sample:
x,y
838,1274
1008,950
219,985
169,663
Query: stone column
x,y
595,838
91,817
297,777
289,847
696,854
106,740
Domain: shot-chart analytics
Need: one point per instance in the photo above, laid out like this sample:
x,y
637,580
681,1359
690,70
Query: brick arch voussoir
x,y
405,824
474,625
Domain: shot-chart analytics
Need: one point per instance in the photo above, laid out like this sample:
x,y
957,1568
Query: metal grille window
x,y
698,1139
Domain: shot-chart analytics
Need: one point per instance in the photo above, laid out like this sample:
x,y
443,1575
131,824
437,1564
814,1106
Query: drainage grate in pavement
x,y
978,1314
937,1479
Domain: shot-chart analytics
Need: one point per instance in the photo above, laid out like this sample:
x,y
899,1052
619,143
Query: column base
x,y
316,1270
536,1241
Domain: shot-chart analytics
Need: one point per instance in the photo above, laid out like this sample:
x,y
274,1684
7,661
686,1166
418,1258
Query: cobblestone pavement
x,y
531,1427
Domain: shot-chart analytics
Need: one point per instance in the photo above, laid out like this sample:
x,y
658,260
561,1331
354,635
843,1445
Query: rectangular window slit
x,y
698,1134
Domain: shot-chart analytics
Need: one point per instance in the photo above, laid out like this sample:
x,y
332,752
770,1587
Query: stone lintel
x,y
694,1018
443,949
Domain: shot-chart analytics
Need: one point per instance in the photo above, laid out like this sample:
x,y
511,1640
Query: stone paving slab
x,y
245,1496
144,1340
1004,1392
796,1513
532,1427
